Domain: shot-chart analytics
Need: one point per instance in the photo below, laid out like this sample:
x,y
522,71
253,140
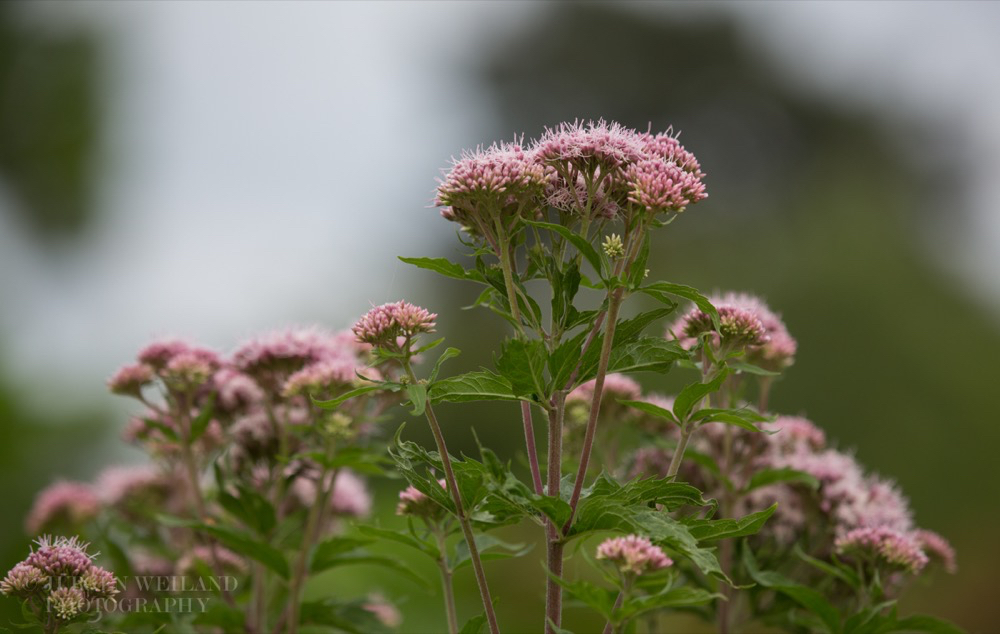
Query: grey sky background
x,y
265,163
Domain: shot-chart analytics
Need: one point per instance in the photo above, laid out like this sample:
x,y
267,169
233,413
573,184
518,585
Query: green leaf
x,y
251,508
486,543
727,418
426,547
693,393
582,245
648,354
922,623
808,598
652,410
555,628
767,477
447,354
683,596
444,267
659,290
333,548
417,393
334,403
523,363
238,542
747,368
711,530
837,570
343,616
200,424
359,558
638,272
472,386
475,625
598,599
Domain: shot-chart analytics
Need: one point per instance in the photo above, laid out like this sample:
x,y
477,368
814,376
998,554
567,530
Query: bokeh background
x,y
211,170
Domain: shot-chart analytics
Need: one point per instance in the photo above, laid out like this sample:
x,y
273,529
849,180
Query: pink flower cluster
x,y
491,180
594,167
747,320
618,386
886,545
63,504
633,554
60,575
383,325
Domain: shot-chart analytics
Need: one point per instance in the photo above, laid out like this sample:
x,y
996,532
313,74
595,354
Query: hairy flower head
x,y
98,583
937,549
23,581
60,556
487,182
737,327
659,185
885,545
633,554
382,325
130,379
67,602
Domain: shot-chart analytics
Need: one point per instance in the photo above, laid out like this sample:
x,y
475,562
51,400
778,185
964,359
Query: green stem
x,y
446,585
463,519
553,540
297,582
602,369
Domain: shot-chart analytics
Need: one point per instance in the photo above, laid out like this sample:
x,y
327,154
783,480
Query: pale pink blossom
x,y
633,554
118,484
130,379
937,549
617,386
24,581
886,545
60,556
67,602
412,501
381,325
64,502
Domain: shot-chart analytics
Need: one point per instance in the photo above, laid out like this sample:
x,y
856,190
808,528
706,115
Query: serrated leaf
x,y
482,385
647,354
711,530
522,364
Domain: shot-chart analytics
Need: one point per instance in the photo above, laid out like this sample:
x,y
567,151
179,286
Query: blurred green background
x,y
831,213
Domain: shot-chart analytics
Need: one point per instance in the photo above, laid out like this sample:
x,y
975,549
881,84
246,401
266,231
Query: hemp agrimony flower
x,y
633,554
